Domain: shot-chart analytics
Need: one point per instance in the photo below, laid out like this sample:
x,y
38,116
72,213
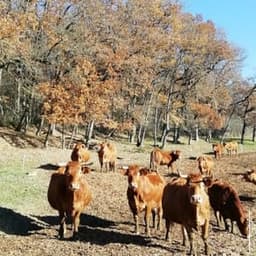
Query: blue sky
x,y
237,19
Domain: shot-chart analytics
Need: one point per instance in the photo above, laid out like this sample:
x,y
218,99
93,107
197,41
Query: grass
x,y
19,190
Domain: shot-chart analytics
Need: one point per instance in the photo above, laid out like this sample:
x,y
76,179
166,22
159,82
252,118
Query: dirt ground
x,y
107,225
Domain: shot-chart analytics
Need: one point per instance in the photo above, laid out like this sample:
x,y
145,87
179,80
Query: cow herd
x,y
183,199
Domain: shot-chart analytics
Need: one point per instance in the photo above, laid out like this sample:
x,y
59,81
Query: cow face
x,y
133,173
243,226
196,189
79,152
73,173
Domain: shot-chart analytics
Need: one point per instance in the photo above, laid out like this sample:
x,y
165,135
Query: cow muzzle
x,y
133,186
74,186
196,199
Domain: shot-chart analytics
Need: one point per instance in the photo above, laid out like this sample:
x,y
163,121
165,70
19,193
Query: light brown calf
x,y
231,147
185,201
161,157
144,193
80,153
218,150
205,165
107,155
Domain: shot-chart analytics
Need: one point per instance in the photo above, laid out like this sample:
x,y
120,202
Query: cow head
x,y
175,154
196,188
243,225
73,173
80,153
133,174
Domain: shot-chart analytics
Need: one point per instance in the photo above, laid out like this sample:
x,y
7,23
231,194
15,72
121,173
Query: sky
x,y
237,18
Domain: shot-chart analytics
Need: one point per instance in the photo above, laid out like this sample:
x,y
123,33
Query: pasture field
x,y
28,225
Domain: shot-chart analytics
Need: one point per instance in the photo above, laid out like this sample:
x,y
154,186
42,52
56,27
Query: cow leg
x,y
167,227
147,220
153,218
101,166
205,231
136,220
183,230
76,222
62,229
226,224
232,226
217,218
160,216
191,240
106,167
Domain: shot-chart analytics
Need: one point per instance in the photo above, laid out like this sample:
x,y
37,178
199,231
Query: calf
x,y
107,155
69,194
144,193
205,165
185,201
218,150
225,200
231,147
160,157
80,153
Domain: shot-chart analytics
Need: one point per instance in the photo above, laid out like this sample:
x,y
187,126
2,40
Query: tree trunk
x,y
18,97
209,135
89,132
40,127
74,131
46,140
144,123
227,124
23,123
164,137
243,132
132,134
155,126
254,133
63,138
196,133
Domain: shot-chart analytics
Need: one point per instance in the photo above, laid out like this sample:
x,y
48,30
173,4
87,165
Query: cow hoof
x,y
75,236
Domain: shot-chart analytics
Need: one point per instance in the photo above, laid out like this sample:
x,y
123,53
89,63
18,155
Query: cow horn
x,y
62,164
183,175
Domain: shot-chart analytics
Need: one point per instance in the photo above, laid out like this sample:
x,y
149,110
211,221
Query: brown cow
x,y
80,153
250,176
68,193
205,165
225,200
144,193
160,157
185,201
107,156
218,150
231,147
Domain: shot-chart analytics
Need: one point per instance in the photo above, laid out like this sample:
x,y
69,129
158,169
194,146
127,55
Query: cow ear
x,y
124,170
66,170
208,180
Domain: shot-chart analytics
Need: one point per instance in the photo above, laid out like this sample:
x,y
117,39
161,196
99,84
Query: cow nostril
x,y
196,199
